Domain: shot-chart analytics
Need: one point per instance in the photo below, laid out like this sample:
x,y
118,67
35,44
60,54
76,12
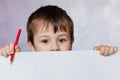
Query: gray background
x,y
96,21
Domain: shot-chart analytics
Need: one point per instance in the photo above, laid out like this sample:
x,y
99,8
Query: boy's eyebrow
x,y
64,34
45,35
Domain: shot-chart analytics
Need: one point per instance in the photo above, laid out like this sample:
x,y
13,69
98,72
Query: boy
x,y
50,29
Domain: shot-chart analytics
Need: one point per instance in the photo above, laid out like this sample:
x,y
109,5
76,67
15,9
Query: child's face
x,y
50,41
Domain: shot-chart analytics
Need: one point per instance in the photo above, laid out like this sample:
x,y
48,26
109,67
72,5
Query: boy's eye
x,y
62,40
44,41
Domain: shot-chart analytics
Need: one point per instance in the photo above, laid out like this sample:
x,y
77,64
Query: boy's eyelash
x,y
62,40
45,41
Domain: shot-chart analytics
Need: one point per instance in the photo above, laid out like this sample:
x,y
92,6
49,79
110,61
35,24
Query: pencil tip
x,y
11,63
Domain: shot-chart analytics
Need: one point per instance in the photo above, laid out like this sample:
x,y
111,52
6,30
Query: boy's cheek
x,y
42,48
66,47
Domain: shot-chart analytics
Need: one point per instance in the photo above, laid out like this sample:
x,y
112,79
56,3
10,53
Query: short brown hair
x,y
49,14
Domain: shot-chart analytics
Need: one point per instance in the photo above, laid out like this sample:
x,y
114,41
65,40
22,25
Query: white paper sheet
x,y
66,65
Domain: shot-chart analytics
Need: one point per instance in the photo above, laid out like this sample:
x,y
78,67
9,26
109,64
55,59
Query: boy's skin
x,y
58,42
46,39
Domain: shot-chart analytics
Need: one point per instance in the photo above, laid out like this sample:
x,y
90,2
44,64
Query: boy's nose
x,y
55,47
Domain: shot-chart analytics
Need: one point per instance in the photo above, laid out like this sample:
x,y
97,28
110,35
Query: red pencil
x,y
15,43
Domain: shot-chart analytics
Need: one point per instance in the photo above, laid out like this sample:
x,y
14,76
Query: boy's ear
x,y
31,46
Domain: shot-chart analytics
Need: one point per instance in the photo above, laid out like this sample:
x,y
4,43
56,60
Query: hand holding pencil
x,y
9,49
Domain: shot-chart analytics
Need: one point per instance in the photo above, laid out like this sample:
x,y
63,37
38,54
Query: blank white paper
x,y
61,65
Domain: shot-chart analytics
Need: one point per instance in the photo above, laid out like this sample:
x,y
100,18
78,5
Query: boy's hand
x,y
7,50
106,50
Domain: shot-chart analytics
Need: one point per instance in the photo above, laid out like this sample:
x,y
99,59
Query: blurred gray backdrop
x,y
96,22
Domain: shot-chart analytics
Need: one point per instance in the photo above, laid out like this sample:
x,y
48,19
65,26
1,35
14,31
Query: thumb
x,y
96,48
17,48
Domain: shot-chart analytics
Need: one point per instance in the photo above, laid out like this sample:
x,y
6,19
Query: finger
x,y
96,48
17,48
0,52
102,50
107,51
111,51
3,52
7,50
115,49
11,48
